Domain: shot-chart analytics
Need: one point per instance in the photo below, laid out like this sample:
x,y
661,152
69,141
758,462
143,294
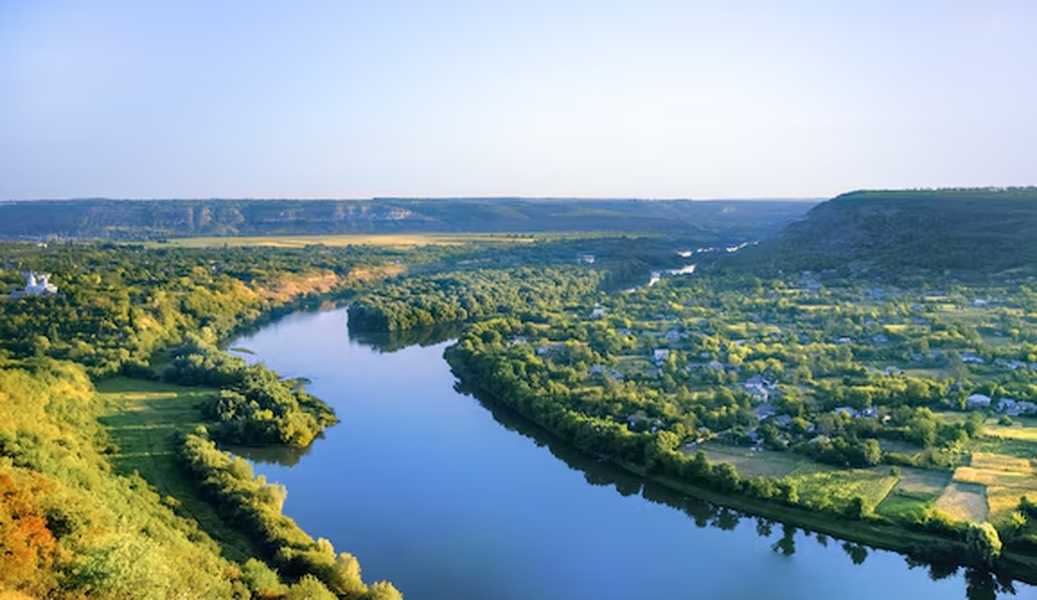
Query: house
x,y
1010,364
890,371
969,357
1014,408
36,284
660,354
597,370
519,339
587,259
716,365
978,401
597,313
673,334
880,338
765,411
848,410
844,340
545,349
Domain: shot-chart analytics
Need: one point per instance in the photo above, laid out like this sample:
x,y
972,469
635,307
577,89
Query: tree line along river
x,y
451,497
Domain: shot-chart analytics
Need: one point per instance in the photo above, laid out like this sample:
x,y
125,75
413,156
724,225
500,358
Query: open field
x,y
144,421
916,490
300,241
759,464
813,479
1005,480
872,485
999,462
1003,446
1013,432
402,240
964,501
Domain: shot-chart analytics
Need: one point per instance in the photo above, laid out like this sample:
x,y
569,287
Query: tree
x,y
872,452
982,544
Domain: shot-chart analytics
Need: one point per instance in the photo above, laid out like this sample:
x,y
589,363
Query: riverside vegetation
x,y
883,400
77,516
114,393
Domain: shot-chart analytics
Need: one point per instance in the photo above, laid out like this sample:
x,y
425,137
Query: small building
x,y
969,357
978,401
598,313
660,354
36,284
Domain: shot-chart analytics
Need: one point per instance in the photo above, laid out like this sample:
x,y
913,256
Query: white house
x,y
978,400
660,354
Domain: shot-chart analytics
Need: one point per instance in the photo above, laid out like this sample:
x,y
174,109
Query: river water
x,y
450,498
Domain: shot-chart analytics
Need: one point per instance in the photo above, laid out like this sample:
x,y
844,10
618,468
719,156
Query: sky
x,y
576,98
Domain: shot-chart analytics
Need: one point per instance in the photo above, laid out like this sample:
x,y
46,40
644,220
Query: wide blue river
x,y
452,499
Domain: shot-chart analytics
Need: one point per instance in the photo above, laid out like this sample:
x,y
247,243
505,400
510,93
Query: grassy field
x,y
1016,448
1013,432
401,240
916,490
759,464
813,479
143,423
964,501
842,485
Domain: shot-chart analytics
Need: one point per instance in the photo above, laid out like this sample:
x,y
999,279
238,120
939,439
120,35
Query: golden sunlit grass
x,y
964,502
1006,479
1000,462
301,241
1028,434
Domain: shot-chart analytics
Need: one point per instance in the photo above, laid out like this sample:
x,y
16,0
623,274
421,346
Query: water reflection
x,y
388,342
285,456
980,583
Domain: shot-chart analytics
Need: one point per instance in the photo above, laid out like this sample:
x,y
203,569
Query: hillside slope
x,y
901,232
152,219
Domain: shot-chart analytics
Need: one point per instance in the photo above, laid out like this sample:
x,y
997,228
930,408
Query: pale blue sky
x,y
644,98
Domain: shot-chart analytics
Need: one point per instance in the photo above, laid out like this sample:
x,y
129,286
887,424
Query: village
x,y
809,375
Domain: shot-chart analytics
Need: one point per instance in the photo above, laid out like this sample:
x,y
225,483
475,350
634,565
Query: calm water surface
x,y
452,499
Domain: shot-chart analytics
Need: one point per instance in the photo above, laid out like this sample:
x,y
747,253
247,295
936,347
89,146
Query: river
x,y
450,498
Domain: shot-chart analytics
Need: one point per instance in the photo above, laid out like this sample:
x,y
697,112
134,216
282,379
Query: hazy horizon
x,y
459,99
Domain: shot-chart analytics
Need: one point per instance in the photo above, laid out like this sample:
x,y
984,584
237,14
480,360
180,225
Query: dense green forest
x,y
708,221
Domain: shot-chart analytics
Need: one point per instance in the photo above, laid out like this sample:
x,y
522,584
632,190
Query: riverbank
x,y
877,532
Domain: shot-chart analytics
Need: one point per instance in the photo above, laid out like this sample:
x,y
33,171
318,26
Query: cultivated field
x,y
300,241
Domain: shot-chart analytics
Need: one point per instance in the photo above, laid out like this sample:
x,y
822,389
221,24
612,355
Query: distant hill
x,y
985,230
154,219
